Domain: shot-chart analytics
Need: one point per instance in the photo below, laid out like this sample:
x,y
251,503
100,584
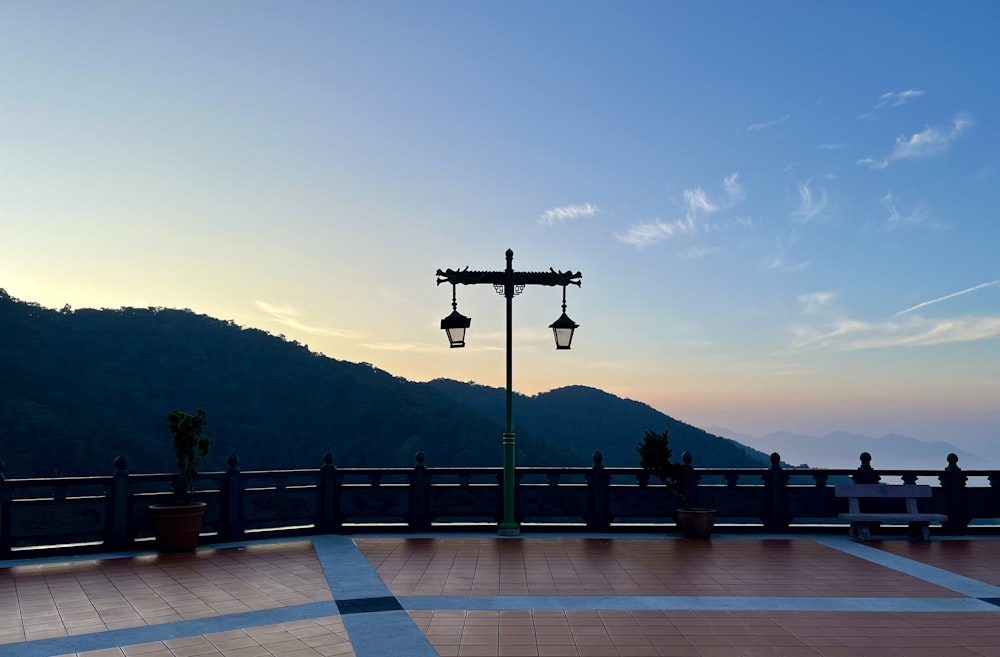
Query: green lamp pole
x,y
508,283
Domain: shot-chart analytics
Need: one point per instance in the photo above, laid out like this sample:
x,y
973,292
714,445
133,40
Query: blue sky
x,y
784,212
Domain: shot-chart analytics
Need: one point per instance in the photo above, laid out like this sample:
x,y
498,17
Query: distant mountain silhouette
x,y
840,449
589,420
80,387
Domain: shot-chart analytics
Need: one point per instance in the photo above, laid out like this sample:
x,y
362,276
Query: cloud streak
x,y
289,317
892,99
925,144
566,213
816,302
919,215
812,204
757,127
697,205
855,335
946,297
826,329
897,98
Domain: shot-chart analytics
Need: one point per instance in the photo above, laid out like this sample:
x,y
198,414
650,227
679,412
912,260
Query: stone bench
x,y
861,522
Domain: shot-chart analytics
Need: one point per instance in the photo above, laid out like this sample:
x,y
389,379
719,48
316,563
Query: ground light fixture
x,y
508,283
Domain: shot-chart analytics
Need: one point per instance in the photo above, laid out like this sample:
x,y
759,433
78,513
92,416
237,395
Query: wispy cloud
x,y
779,262
915,331
813,203
697,201
927,143
401,347
946,297
892,99
734,191
289,316
815,303
764,125
825,327
651,231
696,204
699,252
918,215
897,98
566,213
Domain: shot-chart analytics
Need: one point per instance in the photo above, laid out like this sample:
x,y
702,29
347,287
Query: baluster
x,y
420,512
119,505
232,499
865,474
599,483
953,482
330,518
776,485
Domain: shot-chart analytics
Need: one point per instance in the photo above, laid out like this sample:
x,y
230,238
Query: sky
x,y
784,213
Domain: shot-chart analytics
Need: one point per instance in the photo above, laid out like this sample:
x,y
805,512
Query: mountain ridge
x,y
82,387
581,416
842,449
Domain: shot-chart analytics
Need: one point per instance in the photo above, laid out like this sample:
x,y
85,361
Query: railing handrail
x,y
36,512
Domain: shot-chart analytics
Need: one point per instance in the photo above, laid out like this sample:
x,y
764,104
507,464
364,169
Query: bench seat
x,y
861,523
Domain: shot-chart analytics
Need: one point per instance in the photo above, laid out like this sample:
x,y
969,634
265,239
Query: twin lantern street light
x,y
508,283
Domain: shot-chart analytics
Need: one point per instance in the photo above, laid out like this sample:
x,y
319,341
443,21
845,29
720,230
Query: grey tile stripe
x,y
348,573
387,634
352,580
943,578
166,631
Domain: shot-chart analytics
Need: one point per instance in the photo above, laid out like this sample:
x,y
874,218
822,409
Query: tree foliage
x,y
656,459
190,447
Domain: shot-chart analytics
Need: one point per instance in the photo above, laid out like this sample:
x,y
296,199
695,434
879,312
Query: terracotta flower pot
x,y
177,527
696,523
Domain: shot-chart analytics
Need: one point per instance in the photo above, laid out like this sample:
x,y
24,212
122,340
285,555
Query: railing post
x,y
691,480
865,474
776,489
329,500
598,485
420,513
953,482
234,525
119,507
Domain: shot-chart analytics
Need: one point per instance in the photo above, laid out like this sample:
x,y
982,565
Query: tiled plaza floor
x,y
538,595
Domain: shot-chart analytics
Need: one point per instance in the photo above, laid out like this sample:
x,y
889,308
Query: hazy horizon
x,y
782,211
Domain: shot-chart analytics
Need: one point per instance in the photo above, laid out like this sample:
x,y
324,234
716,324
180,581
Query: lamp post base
x,y
508,530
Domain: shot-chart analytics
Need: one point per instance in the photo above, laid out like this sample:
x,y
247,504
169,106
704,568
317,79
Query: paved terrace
x,y
544,595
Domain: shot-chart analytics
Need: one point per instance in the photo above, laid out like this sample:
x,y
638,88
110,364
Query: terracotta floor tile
x,y
65,599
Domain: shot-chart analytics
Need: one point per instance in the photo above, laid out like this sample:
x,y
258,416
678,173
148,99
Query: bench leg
x,y
919,531
860,531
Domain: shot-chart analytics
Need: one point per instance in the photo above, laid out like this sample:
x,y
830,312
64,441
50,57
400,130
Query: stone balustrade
x,y
107,513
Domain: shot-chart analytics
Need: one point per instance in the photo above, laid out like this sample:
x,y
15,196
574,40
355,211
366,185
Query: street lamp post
x,y
508,283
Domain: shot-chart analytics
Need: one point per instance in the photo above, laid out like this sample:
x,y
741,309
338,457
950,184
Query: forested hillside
x,y
592,420
80,387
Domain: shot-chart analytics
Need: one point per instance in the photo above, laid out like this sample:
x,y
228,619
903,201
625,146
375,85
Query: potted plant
x,y
655,460
177,525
